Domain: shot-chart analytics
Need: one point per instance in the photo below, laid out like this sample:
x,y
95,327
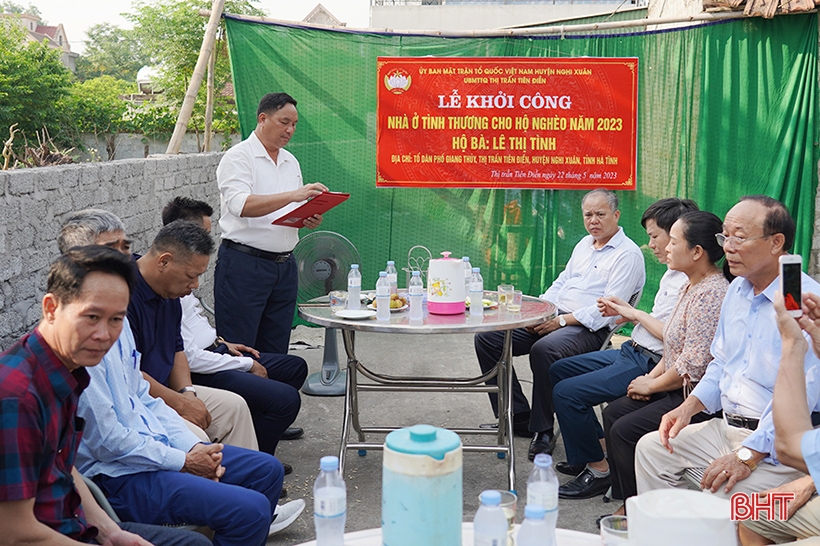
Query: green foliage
x,y
111,51
7,6
172,32
95,106
154,119
32,81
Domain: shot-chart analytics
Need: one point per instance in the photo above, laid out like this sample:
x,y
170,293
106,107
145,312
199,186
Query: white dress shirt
x,y
126,429
665,300
198,335
747,350
247,169
616,269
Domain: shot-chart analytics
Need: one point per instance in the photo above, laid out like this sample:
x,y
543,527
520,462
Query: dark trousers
x,y
274,402
582,382
543,352
165,536
254,300
625,422
239,507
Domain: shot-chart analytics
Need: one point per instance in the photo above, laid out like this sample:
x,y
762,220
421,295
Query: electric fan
x,y
323,259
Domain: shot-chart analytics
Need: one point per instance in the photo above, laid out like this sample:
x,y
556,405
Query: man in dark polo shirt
x,y
169,270
43,499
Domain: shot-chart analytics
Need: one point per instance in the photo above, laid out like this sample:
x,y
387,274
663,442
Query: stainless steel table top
x,y
533,311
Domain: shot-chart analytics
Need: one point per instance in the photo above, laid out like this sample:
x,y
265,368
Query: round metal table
x,y
533,311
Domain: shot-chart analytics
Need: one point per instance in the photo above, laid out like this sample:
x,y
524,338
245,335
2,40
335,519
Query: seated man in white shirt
x,y
268,382
737,450
604,263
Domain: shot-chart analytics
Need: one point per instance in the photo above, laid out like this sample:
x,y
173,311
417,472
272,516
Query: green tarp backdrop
x,y
725,110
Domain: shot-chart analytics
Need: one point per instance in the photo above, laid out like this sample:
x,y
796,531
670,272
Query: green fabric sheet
x,y
725,110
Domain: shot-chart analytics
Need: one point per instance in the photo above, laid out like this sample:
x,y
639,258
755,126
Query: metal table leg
x,y
351,408
505,417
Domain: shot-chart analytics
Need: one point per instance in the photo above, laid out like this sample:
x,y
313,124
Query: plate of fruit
x,y
487,304
397,303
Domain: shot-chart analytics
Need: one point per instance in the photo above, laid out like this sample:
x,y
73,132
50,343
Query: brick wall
x,y
34,203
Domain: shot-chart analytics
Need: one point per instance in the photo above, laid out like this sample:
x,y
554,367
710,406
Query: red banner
x,y
507,122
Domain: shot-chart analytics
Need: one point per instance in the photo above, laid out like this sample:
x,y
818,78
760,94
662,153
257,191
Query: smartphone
x,y
791,269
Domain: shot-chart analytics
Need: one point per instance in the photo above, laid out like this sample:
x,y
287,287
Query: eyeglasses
x,y
723,240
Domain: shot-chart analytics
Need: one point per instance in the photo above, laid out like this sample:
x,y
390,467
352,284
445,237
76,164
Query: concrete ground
x,y
321,417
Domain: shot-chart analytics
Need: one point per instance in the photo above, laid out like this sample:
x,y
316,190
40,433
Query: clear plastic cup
x,y
614,531
338,300
505,292
514,302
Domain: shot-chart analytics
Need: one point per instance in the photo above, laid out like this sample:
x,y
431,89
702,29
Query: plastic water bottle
x,y
490,523
354,288
392,277
542,490
476,292
534,530
329,504
468,273
416,294
383,297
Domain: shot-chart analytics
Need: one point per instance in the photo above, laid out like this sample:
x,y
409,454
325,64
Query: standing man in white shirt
x,y
255,282
604,263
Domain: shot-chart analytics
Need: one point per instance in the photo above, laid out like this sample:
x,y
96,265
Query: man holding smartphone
x,y
737,450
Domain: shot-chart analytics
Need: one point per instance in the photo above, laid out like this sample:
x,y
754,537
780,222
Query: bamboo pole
x,y
530,31
209,100
196,80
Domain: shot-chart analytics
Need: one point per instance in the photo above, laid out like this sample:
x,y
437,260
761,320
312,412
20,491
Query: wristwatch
x,y
561,321
189,388
745,456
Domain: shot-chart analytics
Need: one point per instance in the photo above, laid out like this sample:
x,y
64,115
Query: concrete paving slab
x,y
451,355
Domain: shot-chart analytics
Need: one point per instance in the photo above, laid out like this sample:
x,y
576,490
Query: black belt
x,y
640,349
740,421
277,257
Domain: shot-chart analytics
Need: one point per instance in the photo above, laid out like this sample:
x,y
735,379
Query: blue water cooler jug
x,y
421,487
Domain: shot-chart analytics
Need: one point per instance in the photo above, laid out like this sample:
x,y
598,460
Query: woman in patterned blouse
x,y
687,337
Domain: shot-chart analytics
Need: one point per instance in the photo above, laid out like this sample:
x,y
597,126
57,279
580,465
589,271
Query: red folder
x,y
318,205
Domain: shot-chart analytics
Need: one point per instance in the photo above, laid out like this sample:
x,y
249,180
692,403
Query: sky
x,y
77,16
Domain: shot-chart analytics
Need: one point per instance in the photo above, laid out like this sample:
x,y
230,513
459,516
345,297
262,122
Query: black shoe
x,y
584,486
569,469
292,433
542,442
522,430
283,493
288,468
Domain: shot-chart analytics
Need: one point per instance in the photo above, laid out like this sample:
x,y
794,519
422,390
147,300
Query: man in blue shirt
x,y
797,442
604,263
737,450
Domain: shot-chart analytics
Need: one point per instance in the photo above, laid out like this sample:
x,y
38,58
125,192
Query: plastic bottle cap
x,y
354,266
382,273
534,511
476,269
542,460
491,497
391,262
416,273
329,463
465,258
